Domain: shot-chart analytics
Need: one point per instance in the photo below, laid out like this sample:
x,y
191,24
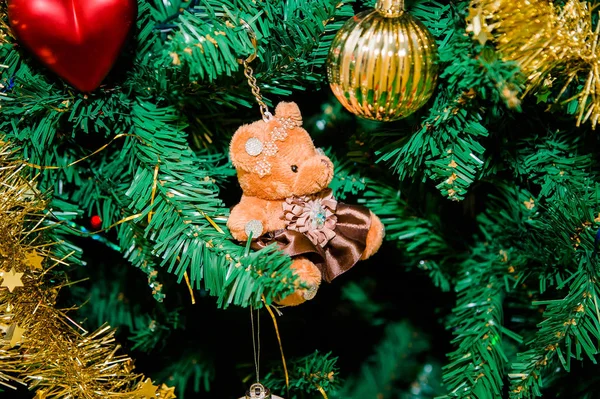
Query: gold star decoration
x,y
147,390
34,259
15,333
167,392
11,280
529,204
477,24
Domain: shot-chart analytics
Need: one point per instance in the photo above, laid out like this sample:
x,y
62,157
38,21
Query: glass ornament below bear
x,y
259,391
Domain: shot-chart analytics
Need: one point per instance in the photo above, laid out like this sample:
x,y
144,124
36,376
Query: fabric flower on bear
x,y
313,215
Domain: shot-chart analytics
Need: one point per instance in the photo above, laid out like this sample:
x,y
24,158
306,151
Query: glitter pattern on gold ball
x,y
382,64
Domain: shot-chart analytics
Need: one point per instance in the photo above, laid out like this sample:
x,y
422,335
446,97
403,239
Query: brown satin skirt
x,y
340,254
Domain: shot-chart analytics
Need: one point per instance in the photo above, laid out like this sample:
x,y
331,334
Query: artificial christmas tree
x,y
486,285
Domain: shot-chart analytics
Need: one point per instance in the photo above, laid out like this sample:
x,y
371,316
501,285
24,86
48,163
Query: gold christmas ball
x,y
383,64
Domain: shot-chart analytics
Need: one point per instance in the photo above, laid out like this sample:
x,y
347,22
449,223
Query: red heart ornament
x,y
78,39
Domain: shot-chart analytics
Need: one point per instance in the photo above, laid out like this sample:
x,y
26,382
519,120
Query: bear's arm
x,y
252,209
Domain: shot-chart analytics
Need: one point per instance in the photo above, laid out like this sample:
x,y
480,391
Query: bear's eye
x,y
294,168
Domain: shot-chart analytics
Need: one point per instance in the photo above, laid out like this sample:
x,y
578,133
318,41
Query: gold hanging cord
x,y
249,73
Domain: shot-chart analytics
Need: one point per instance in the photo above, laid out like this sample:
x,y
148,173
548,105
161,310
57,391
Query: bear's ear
x,y
246,145
289,110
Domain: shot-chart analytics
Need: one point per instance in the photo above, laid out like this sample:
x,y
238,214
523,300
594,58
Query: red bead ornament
x,y
78,39
96,222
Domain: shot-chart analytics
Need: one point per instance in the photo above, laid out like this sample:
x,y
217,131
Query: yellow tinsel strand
x,y
541,37
5,33
40,346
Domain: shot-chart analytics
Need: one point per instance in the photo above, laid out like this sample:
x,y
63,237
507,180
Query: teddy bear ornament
x,y
286,200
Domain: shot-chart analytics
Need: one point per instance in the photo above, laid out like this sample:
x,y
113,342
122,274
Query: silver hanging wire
x,y
255,343
249,73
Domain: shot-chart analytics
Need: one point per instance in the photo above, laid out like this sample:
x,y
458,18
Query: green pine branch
x,y
311,374
570,330
571,325
550,162
476,367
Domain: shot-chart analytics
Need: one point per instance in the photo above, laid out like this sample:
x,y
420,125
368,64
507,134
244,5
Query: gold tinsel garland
x,y
40,346
549,44
4,30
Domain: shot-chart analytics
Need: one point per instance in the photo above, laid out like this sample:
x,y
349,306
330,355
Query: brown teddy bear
x,y
285,199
